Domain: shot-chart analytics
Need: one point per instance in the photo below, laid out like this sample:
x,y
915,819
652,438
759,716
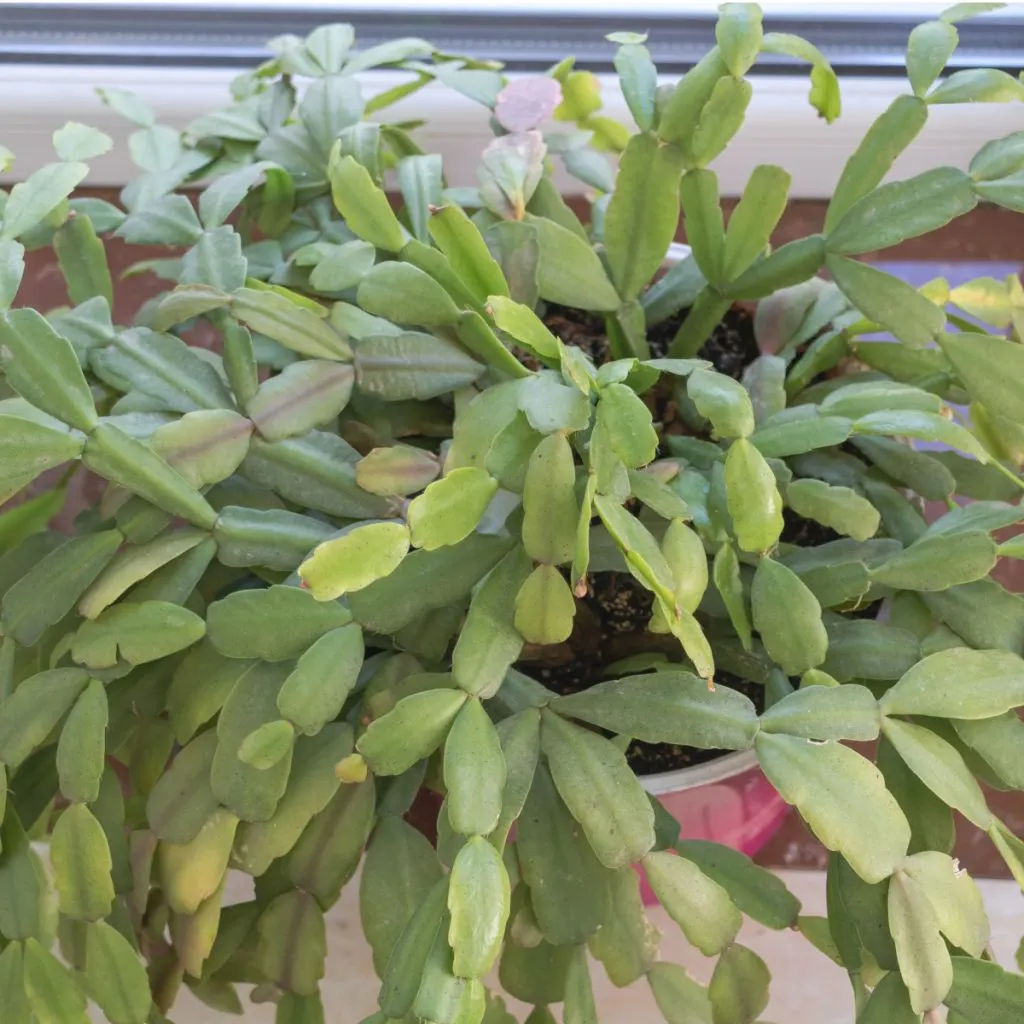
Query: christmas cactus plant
x,y
469,497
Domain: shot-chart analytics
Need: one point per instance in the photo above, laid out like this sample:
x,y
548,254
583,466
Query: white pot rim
x,y
721,768
677,252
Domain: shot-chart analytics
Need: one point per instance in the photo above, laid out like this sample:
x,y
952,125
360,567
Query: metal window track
x,y
215,35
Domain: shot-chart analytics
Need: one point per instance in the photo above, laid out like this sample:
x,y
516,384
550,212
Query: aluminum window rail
x,y
859,40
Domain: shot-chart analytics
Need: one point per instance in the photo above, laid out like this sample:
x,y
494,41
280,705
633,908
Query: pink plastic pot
x,y
726,801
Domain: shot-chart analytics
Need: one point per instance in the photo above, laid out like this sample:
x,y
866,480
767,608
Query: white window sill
x,y
781,127
806,987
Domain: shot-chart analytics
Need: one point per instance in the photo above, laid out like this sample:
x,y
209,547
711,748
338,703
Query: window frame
x,y
526,35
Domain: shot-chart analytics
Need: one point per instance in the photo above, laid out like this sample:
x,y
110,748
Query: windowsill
x,y
781,127
807,988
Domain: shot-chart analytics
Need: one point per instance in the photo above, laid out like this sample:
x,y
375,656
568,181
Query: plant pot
x,y
726,801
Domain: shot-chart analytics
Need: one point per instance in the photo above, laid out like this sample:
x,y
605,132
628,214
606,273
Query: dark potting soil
x,y
731,347
652,758
611,619
610,625
580,328
805,532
